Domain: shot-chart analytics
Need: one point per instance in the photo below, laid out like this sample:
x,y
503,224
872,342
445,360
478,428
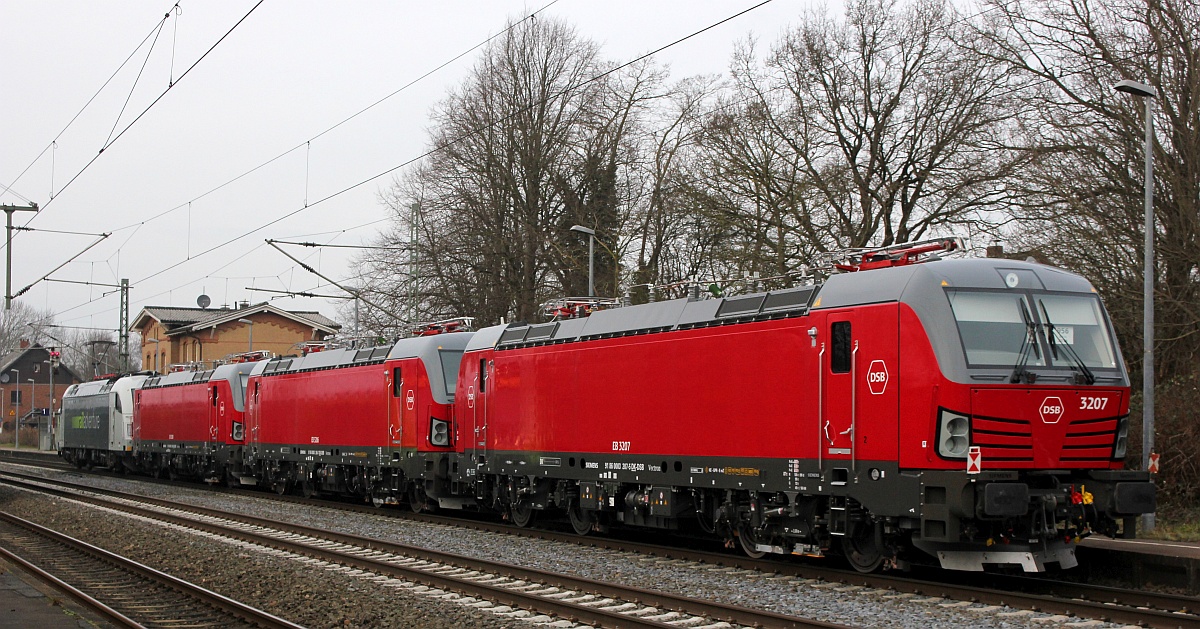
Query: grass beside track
x,y
1176,524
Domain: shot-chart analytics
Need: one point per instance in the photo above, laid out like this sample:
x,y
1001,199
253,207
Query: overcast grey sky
x,y
290,71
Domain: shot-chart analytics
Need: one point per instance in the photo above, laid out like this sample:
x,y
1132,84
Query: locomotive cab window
x,y
450,360
996,328
397,382
1076,322
839,357
483,375
214,397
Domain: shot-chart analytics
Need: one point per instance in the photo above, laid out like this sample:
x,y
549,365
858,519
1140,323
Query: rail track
x,y
120,590
581,600
1038,594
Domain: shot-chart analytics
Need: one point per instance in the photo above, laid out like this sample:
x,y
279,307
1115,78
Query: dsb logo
x,y
877,377
1051,410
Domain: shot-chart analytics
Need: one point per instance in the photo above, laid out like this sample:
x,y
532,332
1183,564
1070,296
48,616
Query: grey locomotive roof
x,y
223,372
486,337
420,346
227,372
178,377
923,288
425,348
89,388
840,290
655,317
890,284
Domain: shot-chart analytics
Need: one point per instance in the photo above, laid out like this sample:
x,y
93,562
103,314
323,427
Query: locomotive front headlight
x,y
1122,441
439,432
954,435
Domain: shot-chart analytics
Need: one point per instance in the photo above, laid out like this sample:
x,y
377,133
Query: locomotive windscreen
x,y
995,325
1079,323
992,327
450,361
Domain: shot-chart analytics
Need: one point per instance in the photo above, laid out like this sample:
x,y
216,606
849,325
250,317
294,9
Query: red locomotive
x,y
970,411
976,410
190,424
364,422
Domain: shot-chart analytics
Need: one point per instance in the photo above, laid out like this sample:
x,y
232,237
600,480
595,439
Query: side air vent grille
x,y
789,299
738,306
513,335
539,332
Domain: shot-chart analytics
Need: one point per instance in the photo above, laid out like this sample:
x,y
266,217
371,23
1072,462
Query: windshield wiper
x,y
1083,375
1028,345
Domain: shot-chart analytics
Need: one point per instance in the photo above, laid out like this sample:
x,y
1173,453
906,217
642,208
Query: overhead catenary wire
x,y
137,226
467,134
85,250
307,143
133,88
159,98
356,293
408,162
153,30
317,244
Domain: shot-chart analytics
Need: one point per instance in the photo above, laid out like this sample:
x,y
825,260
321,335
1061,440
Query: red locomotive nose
x,y
1036,427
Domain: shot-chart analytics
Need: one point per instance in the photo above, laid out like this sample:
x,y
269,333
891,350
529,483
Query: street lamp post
x,y
1147,93
17,414
32,399
591,234
156,342
53,363
250,345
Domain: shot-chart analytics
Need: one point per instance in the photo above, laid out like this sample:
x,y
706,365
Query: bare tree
x,y
871,130
1084,189
541,136
22,323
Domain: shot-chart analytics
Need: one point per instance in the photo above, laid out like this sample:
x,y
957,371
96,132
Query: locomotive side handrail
x,y
821,429
853,405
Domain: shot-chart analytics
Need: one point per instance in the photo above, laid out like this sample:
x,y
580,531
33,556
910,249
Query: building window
x,y
14,397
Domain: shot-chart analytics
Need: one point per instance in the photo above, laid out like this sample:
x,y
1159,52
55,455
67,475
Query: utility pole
x,y
55,356
124,358
414,260
8,210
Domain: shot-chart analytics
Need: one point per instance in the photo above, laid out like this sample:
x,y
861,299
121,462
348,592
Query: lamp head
x,y
583,230
1136,89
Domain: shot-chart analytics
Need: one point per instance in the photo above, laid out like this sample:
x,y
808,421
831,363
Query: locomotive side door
x,y
216,412
395,377
253,416
477,404
839,380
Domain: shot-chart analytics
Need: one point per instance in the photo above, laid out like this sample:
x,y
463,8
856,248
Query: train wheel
x,y
378,499
861,550
418,501
749,541
522,514
308,489
581,521
280,486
